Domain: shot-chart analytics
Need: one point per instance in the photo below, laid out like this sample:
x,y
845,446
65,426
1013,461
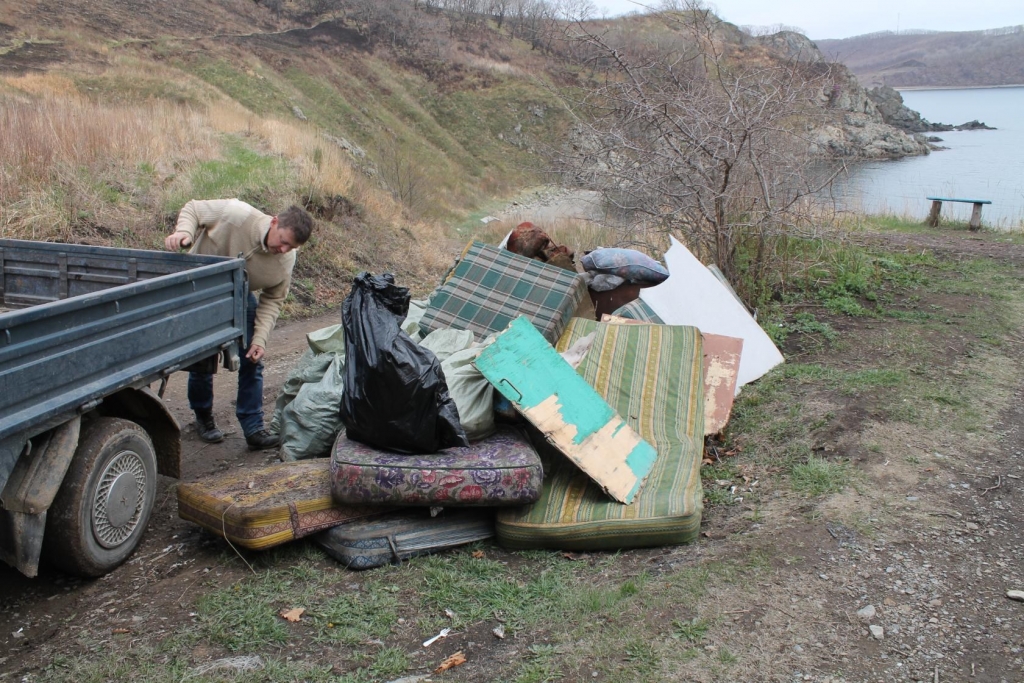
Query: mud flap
x,y
30,491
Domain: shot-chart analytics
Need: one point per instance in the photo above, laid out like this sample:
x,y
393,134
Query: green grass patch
x,y
243,173
253,88
541,665
480,589
876,378
692,631
354,616
243,616
818,477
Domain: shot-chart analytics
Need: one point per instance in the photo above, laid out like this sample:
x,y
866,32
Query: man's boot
x,y
207,428
262,440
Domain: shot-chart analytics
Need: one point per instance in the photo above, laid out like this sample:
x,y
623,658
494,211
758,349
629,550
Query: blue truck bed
x,y
78,323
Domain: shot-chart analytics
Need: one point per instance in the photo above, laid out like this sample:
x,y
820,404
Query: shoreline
x,y
955,87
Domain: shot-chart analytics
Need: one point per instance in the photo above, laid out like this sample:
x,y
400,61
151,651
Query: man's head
x,y
289,229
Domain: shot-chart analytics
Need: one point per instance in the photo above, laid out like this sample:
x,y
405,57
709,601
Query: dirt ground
x,y
924,549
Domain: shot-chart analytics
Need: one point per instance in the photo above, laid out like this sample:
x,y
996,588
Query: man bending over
x,y
230,227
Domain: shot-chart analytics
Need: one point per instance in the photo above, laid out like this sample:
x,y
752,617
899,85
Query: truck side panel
x,y
60,358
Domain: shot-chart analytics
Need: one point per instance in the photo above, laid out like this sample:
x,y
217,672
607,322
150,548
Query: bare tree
x,y
461,14
406,180
695,144
499,9
772,29
320,7
393,20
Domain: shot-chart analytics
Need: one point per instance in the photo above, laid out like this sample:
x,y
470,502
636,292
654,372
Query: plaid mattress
x,y
638,310
653,374
490,287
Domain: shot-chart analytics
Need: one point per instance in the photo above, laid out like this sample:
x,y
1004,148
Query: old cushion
x,y
502,469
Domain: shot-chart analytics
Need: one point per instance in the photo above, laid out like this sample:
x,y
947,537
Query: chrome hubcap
x,y
119,499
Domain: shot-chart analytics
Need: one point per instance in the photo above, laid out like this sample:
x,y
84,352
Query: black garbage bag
x,y
395,396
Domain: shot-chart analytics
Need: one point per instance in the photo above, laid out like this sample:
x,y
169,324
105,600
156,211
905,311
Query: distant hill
x,y
918,58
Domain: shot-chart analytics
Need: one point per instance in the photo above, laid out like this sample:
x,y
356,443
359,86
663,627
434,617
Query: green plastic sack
x,y
311,422
306,412
472,393
310,368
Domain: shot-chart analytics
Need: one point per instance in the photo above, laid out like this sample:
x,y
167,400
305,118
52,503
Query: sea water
x,y
978,164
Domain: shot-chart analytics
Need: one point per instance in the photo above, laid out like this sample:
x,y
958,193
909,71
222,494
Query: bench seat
x,y
933,215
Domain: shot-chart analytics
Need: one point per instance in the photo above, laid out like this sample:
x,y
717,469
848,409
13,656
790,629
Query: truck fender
x,y
145,408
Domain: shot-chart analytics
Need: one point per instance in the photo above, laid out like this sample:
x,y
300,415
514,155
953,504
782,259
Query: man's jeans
x,y
249,403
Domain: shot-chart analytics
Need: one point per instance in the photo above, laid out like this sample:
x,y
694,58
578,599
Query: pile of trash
x,y
545,400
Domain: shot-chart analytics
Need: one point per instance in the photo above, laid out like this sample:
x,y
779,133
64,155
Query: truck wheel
x,y
104,503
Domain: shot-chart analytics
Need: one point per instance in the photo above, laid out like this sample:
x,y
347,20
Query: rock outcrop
x,y
854,126
890,105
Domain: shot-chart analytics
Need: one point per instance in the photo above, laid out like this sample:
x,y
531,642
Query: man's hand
x,y
178,240
255,353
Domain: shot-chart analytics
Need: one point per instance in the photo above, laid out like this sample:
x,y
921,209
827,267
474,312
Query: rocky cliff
x,y
854,126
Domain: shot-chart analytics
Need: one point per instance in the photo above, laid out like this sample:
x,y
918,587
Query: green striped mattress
x,y
638,310
652,376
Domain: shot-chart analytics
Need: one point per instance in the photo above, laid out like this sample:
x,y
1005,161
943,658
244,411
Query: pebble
x,y
877,632
866,613
1015,595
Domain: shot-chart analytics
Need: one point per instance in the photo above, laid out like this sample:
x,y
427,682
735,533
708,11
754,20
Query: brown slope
x,y
119,20
948,59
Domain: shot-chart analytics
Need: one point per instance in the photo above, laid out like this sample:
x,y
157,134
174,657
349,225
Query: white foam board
x,y
692,295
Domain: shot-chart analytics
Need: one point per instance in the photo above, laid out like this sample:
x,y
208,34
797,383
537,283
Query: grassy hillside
x,y
964,58
113,114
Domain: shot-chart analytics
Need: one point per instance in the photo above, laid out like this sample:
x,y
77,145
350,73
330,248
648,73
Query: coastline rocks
x,y
793,45
973,125
866,132
858,135
889,104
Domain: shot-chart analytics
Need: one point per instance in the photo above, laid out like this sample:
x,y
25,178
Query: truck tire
x,y
102,508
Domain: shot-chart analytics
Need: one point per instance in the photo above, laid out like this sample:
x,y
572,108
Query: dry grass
x,y
484,64
64,159
76,170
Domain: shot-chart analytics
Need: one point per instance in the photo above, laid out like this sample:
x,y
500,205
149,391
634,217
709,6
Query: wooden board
x,y
545,389
721,368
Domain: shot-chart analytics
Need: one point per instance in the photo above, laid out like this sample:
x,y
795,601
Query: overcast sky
x,y
845,18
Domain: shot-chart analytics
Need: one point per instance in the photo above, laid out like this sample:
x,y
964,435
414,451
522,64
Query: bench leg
x,y
933,215
975,224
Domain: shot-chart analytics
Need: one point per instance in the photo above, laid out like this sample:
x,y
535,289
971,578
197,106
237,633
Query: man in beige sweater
x,y
230,227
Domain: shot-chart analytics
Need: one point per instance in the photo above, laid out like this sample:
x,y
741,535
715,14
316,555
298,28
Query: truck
x,y
89,336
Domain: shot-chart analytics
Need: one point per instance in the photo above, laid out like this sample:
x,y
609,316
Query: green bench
x,y
933,215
